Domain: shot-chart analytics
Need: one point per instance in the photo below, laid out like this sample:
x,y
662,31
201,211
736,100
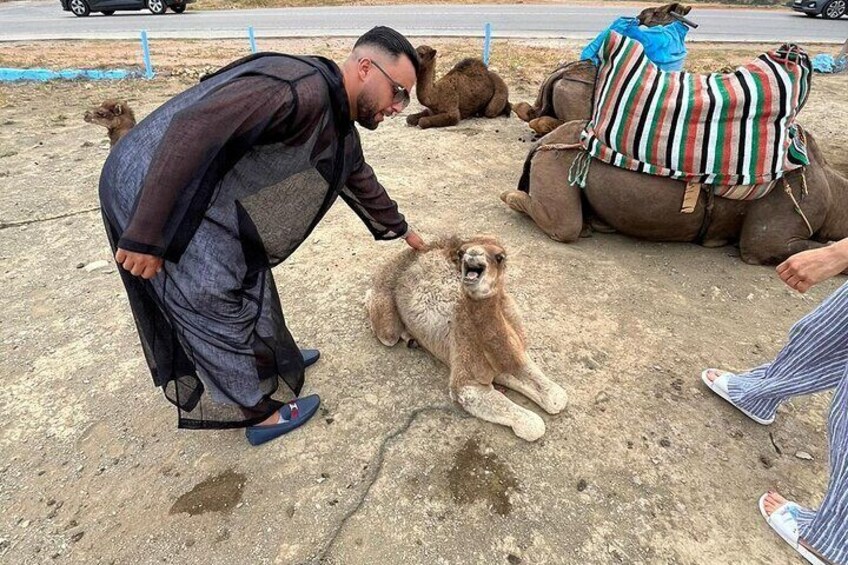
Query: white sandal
x,y
783,522
719,386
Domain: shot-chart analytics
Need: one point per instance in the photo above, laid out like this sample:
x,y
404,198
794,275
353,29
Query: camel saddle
x,y
734,131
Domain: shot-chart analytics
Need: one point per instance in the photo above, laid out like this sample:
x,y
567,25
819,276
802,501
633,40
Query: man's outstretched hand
x,y
139,264
414,241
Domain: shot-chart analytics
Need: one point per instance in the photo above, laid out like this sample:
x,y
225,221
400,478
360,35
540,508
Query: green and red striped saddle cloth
x,y
735,131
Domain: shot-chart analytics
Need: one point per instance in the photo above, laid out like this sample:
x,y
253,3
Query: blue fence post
x,y
487,43
145,49
252,38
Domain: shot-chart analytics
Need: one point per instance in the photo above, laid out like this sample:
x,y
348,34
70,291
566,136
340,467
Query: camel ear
x,y
118,109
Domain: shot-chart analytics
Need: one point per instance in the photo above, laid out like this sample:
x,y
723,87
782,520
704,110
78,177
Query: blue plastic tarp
x,y
824,63
664,45
42,75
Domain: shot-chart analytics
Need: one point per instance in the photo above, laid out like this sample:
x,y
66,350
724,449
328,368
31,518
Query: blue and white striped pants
x,y
815,359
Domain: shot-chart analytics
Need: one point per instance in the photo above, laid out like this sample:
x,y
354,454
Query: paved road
x,y
38,19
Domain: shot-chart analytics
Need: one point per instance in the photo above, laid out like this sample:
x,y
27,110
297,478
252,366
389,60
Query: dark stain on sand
x,y
219,493
476,475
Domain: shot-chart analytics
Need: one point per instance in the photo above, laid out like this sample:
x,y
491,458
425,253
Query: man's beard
x,y
366,111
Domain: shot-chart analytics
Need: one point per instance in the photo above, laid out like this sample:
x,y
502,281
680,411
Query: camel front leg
x,y
532,383
525,111
545,124
551,203
440,120
413,119
488,404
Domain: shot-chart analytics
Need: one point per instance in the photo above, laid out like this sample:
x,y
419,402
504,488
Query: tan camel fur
x,y
469,89
115,115
451,299
646,206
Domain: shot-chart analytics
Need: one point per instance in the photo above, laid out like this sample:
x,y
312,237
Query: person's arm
x,y
367,197
803,270
219,129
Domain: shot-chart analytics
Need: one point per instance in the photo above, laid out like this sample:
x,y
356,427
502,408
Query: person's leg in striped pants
x,y
814,359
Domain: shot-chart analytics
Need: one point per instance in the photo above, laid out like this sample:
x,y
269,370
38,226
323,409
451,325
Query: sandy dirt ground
x,y
645,465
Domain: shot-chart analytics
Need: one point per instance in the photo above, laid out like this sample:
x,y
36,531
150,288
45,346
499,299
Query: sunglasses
x,y
401,94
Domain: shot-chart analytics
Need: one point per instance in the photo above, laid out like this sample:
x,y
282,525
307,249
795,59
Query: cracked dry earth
x,y
643,467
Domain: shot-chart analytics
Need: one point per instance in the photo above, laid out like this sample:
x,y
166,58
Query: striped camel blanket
x,y
735,131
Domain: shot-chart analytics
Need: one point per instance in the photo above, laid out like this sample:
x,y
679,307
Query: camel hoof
x,y
545,125
509,198
524,111
388,342
530,428
556,401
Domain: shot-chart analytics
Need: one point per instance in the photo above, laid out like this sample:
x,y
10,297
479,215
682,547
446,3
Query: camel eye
x,y
500,257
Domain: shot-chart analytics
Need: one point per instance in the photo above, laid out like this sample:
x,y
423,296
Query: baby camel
x,y
115,115
451,300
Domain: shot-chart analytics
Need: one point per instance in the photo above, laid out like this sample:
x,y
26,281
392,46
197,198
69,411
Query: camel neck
x,y
481,310
424,86
116,133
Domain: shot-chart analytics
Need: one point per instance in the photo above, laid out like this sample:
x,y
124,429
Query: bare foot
x,y
774,501
713,374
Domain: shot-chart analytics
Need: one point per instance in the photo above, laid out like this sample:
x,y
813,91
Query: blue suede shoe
x,y
310,356
295,413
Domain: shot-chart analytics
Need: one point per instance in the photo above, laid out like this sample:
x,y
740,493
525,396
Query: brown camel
x,y
115,115
662,15
469,89
768,230
566,94
451,299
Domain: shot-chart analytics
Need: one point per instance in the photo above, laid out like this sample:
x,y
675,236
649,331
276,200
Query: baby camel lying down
x,y
451,299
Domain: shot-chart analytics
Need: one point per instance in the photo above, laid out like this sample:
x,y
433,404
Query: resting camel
x,y
566,94
646,206
469,89
115,115
451,300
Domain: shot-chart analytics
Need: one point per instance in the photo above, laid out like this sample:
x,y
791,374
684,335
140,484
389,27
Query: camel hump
x,y
470,64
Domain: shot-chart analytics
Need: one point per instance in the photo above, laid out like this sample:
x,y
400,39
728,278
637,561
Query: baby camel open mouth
x,y
472,272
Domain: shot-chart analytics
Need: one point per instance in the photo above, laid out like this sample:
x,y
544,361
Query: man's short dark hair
x,y
390,41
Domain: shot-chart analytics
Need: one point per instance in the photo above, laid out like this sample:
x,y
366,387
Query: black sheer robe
x,y
225,181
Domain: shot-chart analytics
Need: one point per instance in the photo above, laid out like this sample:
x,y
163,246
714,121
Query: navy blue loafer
x,y
310,356
295,414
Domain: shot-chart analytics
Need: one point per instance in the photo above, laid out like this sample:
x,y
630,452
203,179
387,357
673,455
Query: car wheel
x,y
834,9
80,8
179,8
156,6
107,12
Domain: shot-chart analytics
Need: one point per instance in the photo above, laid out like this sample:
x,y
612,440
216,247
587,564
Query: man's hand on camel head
x,y
139,264
414,241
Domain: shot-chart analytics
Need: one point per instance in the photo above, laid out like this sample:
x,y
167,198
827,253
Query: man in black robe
x,y
220,184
